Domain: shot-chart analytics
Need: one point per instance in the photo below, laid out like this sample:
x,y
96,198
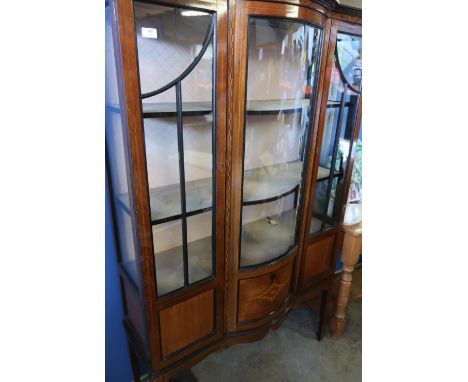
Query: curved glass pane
x,y
169,39
179,145
337,134
349,49
282,63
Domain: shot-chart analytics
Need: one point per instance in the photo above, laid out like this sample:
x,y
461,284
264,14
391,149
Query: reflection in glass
x,y
349,50
174,40
282,63
175,57
338,132
116,147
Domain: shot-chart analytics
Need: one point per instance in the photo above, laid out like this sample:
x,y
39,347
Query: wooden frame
x,y
145,307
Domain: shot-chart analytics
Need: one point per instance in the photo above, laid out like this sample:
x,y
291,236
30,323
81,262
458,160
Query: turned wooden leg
x,y
349,257
338,321
134,364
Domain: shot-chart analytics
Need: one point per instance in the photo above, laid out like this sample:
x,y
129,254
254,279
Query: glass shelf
x,y
268,183
260,107
261,185
323,174
333,104
169,109
254,107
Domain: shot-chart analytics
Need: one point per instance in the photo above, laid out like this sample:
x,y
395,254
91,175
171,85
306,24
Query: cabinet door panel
x,y
176,50
318,256
281,71
186,322
259,296
341,111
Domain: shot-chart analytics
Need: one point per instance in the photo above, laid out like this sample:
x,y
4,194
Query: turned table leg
x,y
352,247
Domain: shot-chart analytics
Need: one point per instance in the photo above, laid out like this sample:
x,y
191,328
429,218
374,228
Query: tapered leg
x,y
134,364
323,314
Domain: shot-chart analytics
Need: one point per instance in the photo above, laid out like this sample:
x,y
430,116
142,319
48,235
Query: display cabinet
x,y
217,135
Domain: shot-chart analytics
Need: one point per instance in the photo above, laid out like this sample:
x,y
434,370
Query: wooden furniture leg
x,y
352,248
134,364
323,310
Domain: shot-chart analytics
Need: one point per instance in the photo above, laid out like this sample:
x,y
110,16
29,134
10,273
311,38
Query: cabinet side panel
x,y
134,310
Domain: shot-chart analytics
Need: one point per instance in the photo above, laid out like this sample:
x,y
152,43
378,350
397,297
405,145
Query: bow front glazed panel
x,y
281,77
276,67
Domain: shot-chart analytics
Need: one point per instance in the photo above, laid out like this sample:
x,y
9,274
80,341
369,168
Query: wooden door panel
x,y
259,296
187,322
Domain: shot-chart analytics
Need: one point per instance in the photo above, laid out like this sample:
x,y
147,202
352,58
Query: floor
x,y
291,354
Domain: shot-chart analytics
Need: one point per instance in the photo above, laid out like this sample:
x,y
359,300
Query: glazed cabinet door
x,y
338,129
174,70
276,66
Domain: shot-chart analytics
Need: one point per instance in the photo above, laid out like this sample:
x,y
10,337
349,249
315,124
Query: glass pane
x,y
168,41
168,253
281,71
162,160
199,229
349,49
337,134
117,164
176,46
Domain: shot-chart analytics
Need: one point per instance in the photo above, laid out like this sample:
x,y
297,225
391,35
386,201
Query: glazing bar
x,y
180,144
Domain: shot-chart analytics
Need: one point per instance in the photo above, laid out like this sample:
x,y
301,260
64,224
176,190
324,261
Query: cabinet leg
x,y
338,321
323,314
134,364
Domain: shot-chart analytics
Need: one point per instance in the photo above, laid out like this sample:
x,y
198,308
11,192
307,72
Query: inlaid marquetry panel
x,y
259,296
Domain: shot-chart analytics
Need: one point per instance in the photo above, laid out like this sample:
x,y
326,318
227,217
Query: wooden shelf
x,y
169,109
254,107
262,242
271,182
165,201
260,185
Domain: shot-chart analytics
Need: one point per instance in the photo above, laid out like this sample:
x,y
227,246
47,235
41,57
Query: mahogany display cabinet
x,y
230,129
